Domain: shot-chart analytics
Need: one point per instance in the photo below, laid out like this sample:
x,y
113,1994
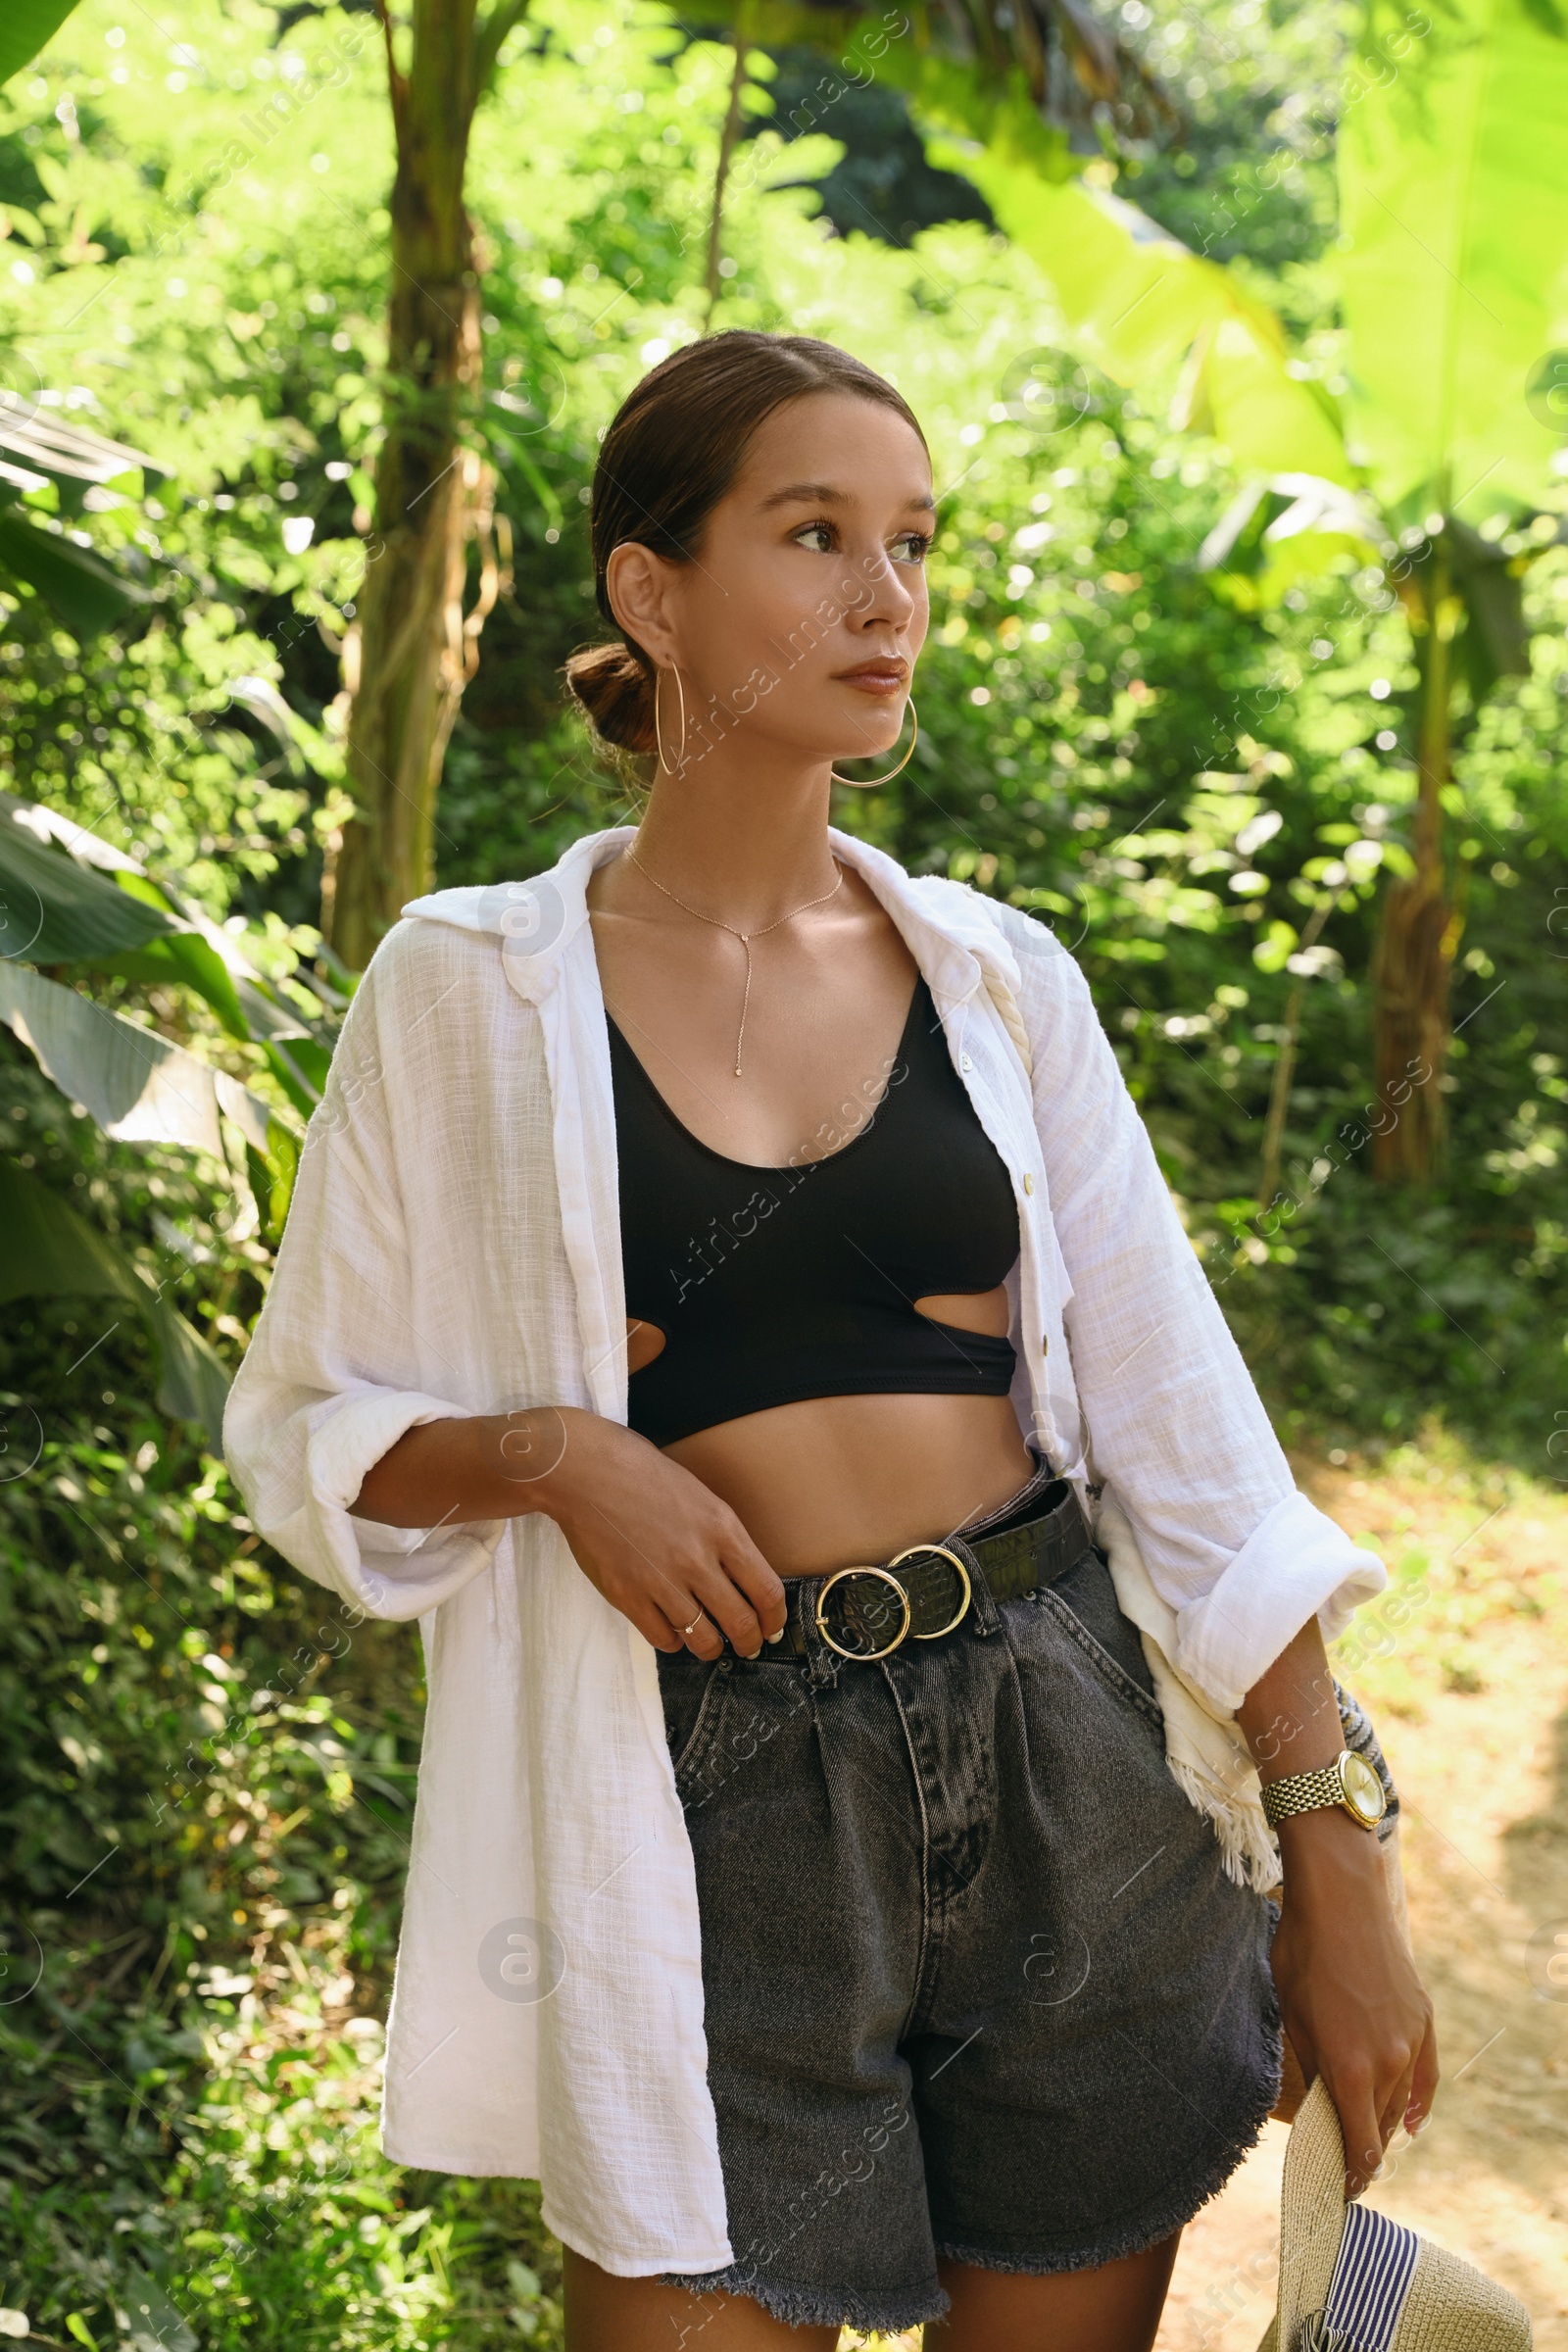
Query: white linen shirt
x,y
453,1248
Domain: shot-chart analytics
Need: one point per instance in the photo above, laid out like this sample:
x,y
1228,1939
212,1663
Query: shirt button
x,y
1028,1184
964,1064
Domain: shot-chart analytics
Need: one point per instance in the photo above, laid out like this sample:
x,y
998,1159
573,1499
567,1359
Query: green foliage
x,y
209,1780
1453,270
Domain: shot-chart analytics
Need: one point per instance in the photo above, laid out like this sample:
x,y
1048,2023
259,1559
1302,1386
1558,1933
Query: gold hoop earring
x,y
673,765
872,781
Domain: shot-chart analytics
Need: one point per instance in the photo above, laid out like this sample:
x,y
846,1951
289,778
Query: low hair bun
x,y
672,451
612,685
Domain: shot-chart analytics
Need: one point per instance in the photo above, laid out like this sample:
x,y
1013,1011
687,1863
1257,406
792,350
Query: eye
x,y
915,545
814,530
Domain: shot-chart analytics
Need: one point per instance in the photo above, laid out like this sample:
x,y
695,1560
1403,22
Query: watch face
x,y
1363,1791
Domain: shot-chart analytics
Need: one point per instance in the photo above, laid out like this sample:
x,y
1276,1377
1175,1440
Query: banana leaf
x,y
77,584
185,956
41,446
54,909
271,1176
26,27
1286,529
1144,308
193,1383
48,1252
1054,63
49,826
135,1085
1453,276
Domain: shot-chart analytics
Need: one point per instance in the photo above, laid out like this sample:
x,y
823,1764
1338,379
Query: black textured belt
x,y
926,1590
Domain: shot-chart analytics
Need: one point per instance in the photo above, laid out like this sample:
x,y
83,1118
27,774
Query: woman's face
x,y
797,623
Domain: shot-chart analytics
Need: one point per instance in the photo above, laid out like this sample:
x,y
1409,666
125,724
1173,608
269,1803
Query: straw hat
x,y
1352,2281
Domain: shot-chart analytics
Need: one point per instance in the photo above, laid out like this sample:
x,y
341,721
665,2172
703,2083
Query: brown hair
x,y
678,440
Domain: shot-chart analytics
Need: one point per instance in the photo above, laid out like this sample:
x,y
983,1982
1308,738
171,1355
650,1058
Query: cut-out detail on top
x,y
774,1284
991,1310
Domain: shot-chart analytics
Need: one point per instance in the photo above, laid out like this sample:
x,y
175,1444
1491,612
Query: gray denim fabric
x,y
977,1985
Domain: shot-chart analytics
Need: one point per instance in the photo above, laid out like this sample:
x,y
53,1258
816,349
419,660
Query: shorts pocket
x,y
691,1689
1083,1603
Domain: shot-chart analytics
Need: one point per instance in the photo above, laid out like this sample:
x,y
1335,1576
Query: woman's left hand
x,y
1354,2006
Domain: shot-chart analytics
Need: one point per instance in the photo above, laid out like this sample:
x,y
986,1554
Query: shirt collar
x,y
948,930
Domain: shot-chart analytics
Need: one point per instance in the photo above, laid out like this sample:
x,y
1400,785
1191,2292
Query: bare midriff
x,y
837,1481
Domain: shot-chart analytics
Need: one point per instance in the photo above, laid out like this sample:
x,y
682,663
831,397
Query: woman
x,y
701,1221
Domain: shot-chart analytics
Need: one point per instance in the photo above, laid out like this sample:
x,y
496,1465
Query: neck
x,y
749,853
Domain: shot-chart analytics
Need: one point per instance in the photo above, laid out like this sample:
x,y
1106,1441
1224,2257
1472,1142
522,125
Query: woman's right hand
x,y
658,1545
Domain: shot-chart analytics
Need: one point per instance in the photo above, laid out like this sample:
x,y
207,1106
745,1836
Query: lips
x,y
883,674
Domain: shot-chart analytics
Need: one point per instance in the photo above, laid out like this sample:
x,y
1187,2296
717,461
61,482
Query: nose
x,y
878,594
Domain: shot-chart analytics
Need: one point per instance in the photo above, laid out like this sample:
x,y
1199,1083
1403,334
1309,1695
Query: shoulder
x,y
420,952
965,908
427,986
1029,936
1023,948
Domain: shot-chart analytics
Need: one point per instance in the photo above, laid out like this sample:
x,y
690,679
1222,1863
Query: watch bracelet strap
x,y
1303,1793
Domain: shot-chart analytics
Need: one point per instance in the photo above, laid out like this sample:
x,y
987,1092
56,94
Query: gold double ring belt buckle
x,y
876,1601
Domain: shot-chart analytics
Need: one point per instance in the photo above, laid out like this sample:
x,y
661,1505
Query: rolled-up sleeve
x,y
1174,1423
333,1375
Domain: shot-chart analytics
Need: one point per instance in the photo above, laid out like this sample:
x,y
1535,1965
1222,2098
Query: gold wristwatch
x,y
1350,1783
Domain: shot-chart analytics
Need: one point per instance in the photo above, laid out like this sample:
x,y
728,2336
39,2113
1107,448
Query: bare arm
x,y
1354,2006
658,1545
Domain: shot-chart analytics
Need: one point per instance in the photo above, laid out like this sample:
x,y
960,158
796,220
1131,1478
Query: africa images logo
x,y
522,1960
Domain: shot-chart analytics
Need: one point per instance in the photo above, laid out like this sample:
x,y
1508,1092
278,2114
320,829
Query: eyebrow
x,y
823,494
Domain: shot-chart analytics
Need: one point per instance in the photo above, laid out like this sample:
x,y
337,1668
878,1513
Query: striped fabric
x,y
1371,2279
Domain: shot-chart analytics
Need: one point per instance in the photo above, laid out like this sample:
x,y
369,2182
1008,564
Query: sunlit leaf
x,y
300,1066
271,1174
1144,310
1454,205
39,446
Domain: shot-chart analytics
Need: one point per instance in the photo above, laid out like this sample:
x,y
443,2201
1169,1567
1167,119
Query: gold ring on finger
x,y
692,1628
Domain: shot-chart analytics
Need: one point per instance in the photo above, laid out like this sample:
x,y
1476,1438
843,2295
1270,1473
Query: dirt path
x,y
1467,1679
1472,1706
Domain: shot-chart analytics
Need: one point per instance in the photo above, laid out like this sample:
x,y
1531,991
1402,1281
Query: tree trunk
x,y
414,650
726,154
1415,958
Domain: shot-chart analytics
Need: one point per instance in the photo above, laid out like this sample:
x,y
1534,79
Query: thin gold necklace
x,y
745,937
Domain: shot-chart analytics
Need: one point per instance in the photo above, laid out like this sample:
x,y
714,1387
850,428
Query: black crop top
x,y
774,1284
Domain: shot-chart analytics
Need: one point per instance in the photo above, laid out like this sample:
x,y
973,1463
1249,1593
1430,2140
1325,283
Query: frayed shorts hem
x,y
1155,2225
812,2307
889,2314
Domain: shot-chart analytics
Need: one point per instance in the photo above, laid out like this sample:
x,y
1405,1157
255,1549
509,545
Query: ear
x,y
640,587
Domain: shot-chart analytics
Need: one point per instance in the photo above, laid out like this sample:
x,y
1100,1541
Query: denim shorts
x,y
977,1985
